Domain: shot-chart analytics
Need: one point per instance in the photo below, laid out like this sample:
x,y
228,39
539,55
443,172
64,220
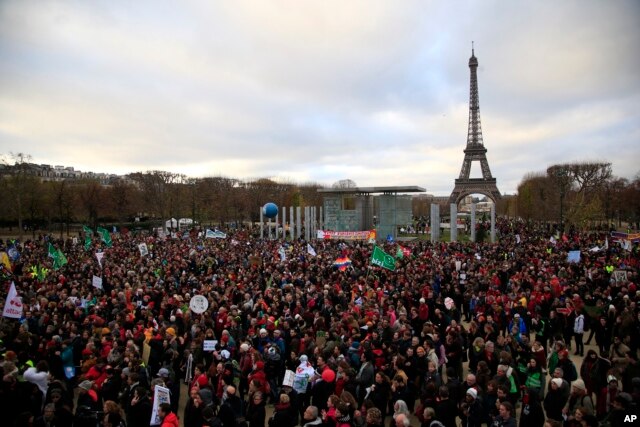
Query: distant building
x,y
61,173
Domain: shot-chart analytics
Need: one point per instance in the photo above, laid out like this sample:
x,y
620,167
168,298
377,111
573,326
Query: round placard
x,y
198,304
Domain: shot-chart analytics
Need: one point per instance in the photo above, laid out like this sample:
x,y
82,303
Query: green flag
x,y
59,259
383,259
104,236
399,253
87,237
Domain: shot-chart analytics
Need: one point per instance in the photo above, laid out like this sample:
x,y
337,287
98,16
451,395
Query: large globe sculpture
x,y
270,210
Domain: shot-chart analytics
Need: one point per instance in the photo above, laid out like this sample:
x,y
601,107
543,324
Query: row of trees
x,y
579,194
33,203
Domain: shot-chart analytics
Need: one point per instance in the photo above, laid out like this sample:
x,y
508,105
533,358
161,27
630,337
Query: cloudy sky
x,y
373,91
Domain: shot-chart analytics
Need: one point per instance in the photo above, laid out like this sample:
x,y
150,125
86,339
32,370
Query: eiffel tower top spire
x,y
474,134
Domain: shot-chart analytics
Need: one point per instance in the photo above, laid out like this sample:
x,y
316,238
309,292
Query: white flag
x,y
99,256
13,304
283,254
310,250
144,251
97,282
606,243
517,238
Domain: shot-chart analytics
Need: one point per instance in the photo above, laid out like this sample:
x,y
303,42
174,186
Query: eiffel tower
x,y
475,150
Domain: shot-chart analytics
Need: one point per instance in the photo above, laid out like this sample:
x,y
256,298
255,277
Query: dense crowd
x,y
470,333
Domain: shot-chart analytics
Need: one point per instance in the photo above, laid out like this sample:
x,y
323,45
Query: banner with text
x,y
346,235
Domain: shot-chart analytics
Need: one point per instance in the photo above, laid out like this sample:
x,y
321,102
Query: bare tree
x,y
344,183
20,179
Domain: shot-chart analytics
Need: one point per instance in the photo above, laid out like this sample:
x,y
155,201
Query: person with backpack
x,y
578,398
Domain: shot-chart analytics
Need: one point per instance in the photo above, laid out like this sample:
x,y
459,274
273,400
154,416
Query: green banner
x,y
383,259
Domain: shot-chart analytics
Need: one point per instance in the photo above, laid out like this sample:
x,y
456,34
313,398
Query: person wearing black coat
x,y
193,410
283,414
532,414
380,393
139,413
446,408
256,412
232,409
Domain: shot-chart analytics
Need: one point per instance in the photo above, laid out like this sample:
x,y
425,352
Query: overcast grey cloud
x,y
374,91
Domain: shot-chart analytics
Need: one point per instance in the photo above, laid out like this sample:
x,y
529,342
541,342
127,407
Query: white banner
x,y
209,345
13,304
97,282
215,234
160,395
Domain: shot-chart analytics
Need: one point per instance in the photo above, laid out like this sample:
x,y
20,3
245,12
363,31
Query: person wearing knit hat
x,y
473,393
578,398
579,384
556,398
171,332
473,408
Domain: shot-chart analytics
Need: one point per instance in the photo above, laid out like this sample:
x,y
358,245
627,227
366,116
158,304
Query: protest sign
x,y
160,395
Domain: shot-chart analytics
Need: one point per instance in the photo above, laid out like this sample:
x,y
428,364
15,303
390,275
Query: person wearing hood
x,y
193,410
305,373
273,368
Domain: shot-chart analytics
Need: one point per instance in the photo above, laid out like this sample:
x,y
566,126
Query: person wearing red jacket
x,y
169,419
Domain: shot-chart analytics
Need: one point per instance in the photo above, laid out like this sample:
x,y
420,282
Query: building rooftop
x,y
368,190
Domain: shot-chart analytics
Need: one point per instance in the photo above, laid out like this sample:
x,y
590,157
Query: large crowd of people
x,y
464,334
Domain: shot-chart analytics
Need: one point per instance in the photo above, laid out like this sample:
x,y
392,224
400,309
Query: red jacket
x,y
171,420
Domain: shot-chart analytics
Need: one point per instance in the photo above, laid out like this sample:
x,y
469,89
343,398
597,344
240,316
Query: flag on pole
x,y
383,259
59,260
342,263
12,252
13,304
87,236
310,250
282,253
104,236
4,260
402,252
39,272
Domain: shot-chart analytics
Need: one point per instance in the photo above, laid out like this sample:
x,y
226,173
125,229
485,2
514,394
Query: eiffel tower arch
x,y
475,150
